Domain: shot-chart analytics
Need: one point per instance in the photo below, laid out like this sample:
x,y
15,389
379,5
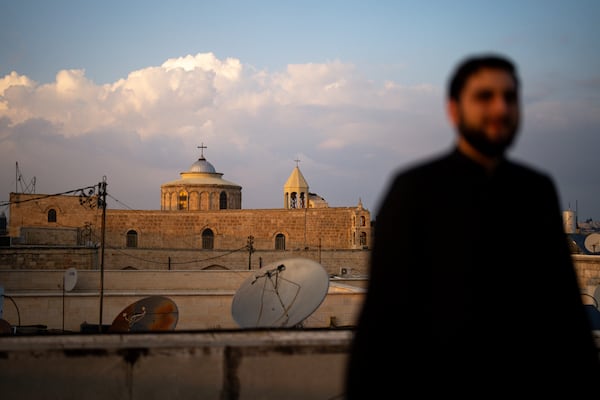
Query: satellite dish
x,y
592,242
280,294
153,313
5,327
70,279
596,296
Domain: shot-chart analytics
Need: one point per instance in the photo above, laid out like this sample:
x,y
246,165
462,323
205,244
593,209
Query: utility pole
x,y
102,203
250,250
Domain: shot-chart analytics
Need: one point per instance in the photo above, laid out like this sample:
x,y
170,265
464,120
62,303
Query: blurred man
x,y
462,300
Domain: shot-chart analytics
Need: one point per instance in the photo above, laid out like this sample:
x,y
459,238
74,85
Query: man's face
x,y
487,112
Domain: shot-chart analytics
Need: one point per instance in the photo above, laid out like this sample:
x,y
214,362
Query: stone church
x,y
201,225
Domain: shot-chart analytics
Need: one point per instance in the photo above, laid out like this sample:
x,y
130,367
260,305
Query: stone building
x,y
201,225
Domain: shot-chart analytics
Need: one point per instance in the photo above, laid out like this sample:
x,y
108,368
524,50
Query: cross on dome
x,y
202,147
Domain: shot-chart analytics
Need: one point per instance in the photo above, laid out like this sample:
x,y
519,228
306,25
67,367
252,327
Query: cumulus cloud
x,y
348,131
187,95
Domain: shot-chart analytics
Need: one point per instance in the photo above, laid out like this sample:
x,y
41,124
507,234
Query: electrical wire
x,y
4,203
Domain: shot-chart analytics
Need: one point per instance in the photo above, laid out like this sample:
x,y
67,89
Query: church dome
x,y
202,166
200,188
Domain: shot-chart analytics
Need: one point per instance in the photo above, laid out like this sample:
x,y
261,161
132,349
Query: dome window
x,y
182,203
223,201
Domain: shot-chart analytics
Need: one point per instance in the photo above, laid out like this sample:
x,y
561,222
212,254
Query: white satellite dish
x,y
280,294
70,279
592,242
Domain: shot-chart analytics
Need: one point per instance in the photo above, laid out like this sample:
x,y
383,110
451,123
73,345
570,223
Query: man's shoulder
x,y
528,171
427,164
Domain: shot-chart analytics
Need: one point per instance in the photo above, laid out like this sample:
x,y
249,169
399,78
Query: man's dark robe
x,y
471,286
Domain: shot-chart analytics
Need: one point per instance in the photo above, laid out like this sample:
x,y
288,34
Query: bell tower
x,y
295,190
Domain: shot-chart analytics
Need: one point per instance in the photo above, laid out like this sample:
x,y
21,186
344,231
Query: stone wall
x,y
337,228
203,298
588,272
45,258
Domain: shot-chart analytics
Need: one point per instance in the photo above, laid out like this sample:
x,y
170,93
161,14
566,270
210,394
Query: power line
x,y
119,201
90,189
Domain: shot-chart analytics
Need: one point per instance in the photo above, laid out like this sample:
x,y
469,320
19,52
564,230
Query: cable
x,y
47,196
118,201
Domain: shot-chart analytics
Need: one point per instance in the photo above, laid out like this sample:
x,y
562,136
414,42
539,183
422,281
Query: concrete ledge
x,y
241,364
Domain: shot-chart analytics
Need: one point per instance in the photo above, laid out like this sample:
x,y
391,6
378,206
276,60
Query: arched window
x,y
223,201
363,221
52,215
182,203
293,200
208,239
363,238
280,241
132,238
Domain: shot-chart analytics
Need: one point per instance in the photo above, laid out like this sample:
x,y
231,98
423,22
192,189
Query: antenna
x,y
284,295
29,188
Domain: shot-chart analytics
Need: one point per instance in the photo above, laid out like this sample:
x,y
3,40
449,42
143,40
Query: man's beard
x,y
478,139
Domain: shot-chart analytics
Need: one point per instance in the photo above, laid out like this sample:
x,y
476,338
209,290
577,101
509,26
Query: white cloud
x,y
14,79
190,91
143,130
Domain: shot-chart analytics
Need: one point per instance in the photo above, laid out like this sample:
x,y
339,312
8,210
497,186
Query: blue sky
x,y
353,89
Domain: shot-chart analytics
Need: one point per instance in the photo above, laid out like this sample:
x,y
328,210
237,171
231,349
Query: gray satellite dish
x,y
592,242
280,294
70,279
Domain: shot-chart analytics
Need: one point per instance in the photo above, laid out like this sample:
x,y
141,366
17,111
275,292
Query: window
x,y
52,215
363,238
208,239
363,221
280,241
223,201
183,201
132,239
293,200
